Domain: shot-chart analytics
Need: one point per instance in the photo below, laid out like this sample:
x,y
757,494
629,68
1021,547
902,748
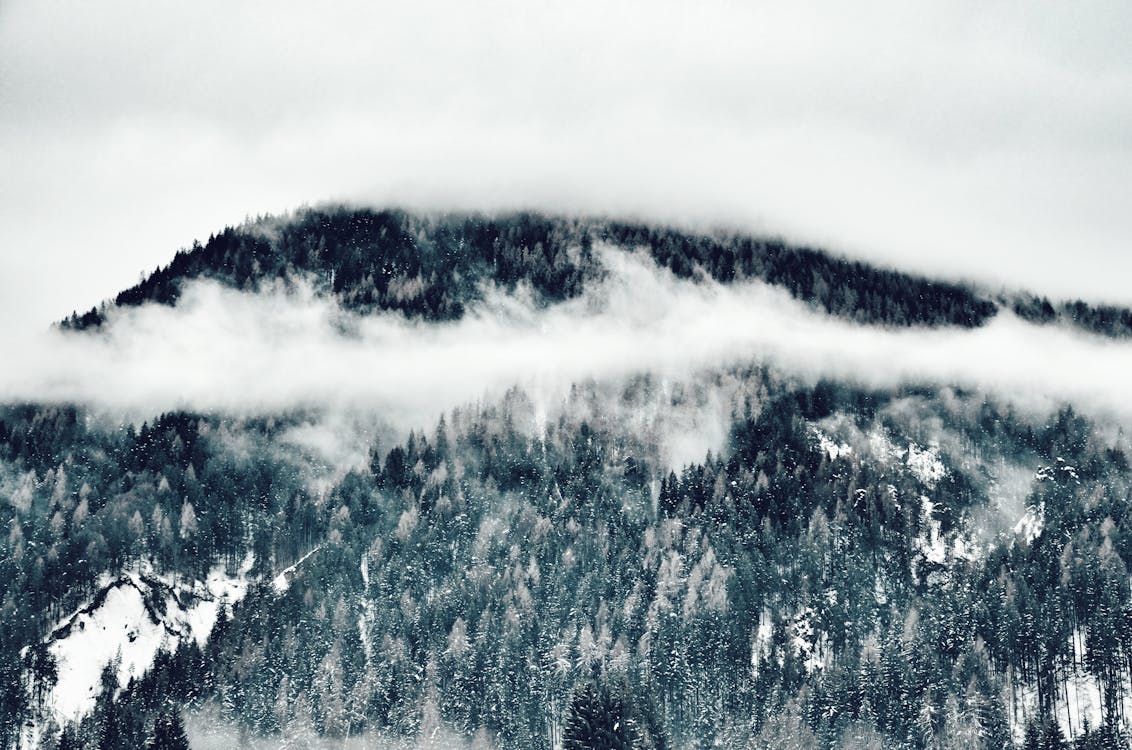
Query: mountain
x,y
929,565
430,266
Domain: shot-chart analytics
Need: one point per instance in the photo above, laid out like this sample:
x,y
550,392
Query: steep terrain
x,y
431,266
925,566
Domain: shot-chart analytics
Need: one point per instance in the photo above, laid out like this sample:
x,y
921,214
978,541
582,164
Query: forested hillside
x,y
920,566
1107,320
858,569
432,266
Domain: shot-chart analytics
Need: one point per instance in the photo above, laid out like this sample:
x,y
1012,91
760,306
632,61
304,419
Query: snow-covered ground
x,y
1079,703
366,618
829,446
925,464
133,617
282,582
810,644
933,546
835,436
1030,525
761,642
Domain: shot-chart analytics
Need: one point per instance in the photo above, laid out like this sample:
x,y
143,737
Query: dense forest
x,y
835,578
433,266
922,568
1107,320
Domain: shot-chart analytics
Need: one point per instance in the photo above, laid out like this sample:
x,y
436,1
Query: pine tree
x,y
68,740
1043,734
169,732
598,721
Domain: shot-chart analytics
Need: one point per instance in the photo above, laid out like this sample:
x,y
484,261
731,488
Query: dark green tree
x,y
168,732
599,721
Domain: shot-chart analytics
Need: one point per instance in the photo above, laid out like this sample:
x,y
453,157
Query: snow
x,y
964,549
807,643
925,464
1049,473
282,582
1030,525
1078,699
119,629
933,547
367,615
1082,703
880,593
122,625
938,548
761,642
831,448
811,645
882,447
922,462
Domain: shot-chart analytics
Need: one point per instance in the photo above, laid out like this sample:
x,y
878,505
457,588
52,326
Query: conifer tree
x,y
169,732
598,721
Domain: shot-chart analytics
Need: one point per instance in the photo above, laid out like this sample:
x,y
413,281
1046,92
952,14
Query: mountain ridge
x,y
837,565
428,265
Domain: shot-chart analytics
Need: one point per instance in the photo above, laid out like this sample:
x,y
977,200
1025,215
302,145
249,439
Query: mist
x,y
954,138
288,348
207,729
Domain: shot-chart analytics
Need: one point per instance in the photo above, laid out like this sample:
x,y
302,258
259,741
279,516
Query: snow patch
x,y
1030,525
882,447
830,447
964,549
933,548
938,548
925,464
1078,703
366,618
761,641
282,582
132,619
810,644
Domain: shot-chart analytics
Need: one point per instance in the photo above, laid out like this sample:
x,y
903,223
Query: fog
x,y
207,729
289,348
984,140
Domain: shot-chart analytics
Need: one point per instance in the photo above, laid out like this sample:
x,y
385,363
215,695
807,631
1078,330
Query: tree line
x,y
561,586
433,266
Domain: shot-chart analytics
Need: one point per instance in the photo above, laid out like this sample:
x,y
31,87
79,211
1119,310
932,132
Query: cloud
x,y
959,138
285,349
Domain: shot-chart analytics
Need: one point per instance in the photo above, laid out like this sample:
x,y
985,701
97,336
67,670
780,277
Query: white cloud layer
x,y
955,137
237,352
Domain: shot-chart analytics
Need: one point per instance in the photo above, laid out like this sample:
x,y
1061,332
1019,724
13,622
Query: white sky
x,y
986,139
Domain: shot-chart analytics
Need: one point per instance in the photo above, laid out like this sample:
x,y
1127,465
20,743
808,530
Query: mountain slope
x,y
432,266
838,565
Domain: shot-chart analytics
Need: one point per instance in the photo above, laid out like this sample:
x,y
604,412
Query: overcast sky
x,y
984,139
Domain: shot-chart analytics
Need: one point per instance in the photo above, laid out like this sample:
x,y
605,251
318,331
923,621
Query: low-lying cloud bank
x,y
223,350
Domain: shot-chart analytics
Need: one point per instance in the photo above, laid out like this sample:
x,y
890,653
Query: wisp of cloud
x,y
285,348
